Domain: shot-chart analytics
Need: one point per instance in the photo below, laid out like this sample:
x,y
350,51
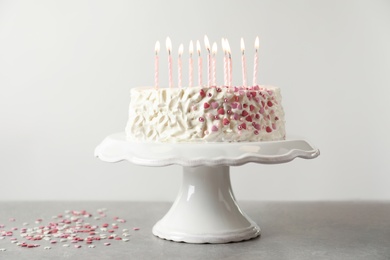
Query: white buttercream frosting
x,y
205,114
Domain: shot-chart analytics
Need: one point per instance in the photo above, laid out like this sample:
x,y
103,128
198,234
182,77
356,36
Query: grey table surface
x,y
290,230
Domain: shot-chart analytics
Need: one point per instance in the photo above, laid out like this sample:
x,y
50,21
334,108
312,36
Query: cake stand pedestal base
x,y
205,210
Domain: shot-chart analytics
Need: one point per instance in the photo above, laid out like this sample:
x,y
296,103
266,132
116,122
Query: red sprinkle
x,y
206,105
221,111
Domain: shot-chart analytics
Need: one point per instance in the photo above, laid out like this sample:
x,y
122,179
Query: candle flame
x,y
214,48
169,45
191,49
207,43
228,47
198,47
157,47
181,50
223,45
257,43
242,46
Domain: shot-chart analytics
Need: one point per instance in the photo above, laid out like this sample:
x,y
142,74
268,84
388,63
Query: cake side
x,y
206,114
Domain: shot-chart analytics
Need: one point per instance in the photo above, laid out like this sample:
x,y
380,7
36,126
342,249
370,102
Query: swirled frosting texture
x,y
206,114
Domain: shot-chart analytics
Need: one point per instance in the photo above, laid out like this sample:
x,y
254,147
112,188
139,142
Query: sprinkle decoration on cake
x,y
206,113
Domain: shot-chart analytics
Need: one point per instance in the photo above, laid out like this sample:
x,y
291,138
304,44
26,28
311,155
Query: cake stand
x,y
205,210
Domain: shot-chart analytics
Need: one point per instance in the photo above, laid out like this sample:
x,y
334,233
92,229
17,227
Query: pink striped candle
x,y
230,65
179,66
207,45
190,65
214,69
255,62
225,65
199,63
243,61
157,50
169,49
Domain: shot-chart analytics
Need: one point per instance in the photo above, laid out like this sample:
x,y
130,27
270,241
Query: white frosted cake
x,y
206,114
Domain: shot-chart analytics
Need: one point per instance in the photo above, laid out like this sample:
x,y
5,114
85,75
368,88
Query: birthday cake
x,y
212,114
205,113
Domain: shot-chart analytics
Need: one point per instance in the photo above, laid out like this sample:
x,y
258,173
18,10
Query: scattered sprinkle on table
x,y
73,226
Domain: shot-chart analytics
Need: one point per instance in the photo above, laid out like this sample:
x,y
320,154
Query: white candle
x,y
156,49
207,45
255,61
169,49
230,65
225,67
214,51
190,65
179,66
243,63
199,64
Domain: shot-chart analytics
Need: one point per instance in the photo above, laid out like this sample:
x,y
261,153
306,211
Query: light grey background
x,y
66,68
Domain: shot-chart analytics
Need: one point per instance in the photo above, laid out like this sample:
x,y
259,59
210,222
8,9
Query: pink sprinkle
x,y
107,244
77,246
214,105
121,221
2,226
214,129
12,219
53,241
136,228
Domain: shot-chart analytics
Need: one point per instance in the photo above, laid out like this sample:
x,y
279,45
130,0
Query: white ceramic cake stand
x,y
205,210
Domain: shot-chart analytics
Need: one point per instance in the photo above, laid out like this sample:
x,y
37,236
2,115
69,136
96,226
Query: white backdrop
x,y
66,68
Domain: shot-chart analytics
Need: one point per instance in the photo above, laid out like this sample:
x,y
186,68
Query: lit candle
x,y
243,63
207,45
255,61
169,49
156,49
199,64
190,65
214,51
179,66
230,65
225,67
